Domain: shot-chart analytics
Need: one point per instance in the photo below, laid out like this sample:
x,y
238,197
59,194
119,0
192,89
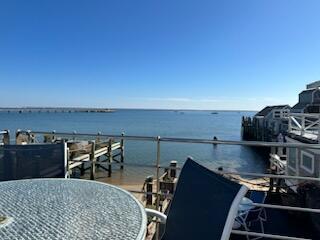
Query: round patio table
x,y
68,209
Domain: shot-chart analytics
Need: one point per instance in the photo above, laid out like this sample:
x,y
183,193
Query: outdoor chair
x,y
255,215
204,205
33,161
259,197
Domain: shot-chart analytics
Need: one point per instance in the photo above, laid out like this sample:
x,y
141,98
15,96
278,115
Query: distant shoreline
x,y
83,109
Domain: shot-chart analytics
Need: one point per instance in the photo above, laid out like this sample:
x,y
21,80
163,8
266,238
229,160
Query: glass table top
x,y
68,209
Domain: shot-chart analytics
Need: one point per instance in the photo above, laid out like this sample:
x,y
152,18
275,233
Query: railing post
x,y
318,128
158,171
303,125
158,183
92,160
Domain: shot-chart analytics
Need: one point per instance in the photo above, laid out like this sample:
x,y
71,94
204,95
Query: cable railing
x,y
180,140
157,166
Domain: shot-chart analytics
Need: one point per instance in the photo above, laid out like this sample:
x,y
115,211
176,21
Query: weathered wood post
x,y
53,135
92,160
122,151
6,137
82,169
67,159
149,186
18,132
173,170
98,140
31,137
110,157
49,138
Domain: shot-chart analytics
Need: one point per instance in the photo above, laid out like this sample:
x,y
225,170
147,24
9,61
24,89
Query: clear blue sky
x,y
157,54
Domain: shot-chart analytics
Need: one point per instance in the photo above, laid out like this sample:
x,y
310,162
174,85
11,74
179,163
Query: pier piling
x,y
110,157
92,160
173,171
122,151
6,137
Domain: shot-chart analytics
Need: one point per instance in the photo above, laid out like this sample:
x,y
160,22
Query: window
x,y
292,159
276,114
307,161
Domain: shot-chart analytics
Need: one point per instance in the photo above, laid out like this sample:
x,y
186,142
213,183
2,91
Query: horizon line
x,y
123,108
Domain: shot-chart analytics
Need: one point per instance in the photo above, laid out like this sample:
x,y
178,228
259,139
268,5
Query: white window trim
x,y
304,167
296,167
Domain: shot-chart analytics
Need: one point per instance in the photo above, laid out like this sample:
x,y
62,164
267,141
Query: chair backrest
x,y
32,161
201,205
254,214
258,196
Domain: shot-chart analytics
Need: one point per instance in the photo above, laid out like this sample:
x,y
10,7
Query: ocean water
x,y
189,124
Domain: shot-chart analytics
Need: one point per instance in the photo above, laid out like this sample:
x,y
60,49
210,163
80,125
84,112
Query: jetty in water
x,y
55,110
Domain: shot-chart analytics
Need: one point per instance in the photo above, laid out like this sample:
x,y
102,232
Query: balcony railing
x,y
303,124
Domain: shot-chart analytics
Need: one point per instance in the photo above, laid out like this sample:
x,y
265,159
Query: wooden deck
x,y
79,160
308,135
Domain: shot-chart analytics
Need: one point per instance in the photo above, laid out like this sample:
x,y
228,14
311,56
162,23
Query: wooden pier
x,y
247,129
82,155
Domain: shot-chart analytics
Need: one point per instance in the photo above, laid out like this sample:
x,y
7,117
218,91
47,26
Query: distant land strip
x,y
55,109
101,110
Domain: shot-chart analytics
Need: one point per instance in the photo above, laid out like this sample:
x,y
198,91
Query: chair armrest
x,y
154,213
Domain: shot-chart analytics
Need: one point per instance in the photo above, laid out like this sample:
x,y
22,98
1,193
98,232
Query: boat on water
x,y
214,113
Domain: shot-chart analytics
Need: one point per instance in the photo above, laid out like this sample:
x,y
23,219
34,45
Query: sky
x,y
190,54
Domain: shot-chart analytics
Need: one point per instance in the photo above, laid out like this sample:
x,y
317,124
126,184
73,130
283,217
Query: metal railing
x,y
157,165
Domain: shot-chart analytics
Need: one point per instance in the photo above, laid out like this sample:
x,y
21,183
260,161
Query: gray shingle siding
x,y
306,96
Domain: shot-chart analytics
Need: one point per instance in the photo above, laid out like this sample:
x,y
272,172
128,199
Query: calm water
x,y
190,124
